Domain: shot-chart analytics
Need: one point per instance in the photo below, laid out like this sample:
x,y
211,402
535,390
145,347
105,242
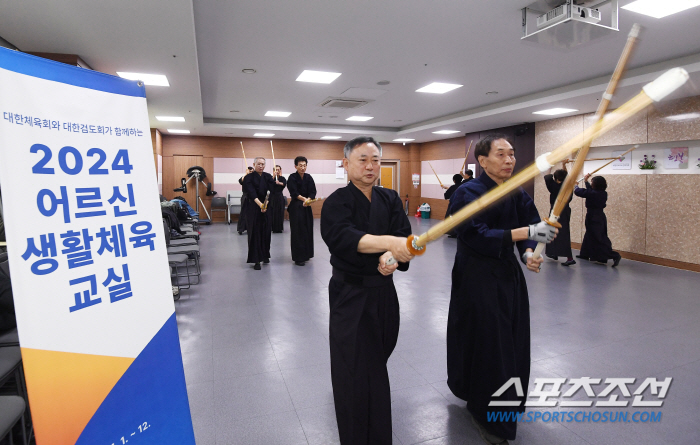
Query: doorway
x,y
388,177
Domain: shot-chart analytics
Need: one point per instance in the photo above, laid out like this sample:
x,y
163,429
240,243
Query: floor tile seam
x,y
239,376
240,419
443,396
413,386
428,440
286,386
680,366
305,367
299,420
245,375
577,435
243,344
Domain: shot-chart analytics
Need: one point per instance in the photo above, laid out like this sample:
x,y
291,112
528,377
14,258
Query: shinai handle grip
x,y
412,247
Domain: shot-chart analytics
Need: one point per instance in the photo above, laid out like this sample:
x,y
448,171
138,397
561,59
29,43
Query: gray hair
x,y
351,145
255,161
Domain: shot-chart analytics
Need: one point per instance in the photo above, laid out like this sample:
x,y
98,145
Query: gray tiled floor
x,y
255,346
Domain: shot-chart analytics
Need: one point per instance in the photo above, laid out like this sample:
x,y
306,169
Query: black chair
x,y
12,410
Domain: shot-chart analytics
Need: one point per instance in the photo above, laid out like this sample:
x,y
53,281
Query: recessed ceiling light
x,y
170,118
149,79
446,132
659,9
264,135
403,140
383,82
331,137
278,113
248,71
555,111
172,130
359,118
438,88
317,76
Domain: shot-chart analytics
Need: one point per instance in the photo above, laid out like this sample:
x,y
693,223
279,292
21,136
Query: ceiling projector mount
x,y
568,23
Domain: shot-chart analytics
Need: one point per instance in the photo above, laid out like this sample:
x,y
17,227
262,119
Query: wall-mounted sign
x,y
625,163
676,157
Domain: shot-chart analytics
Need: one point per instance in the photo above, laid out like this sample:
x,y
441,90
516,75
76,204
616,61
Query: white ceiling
x,y
410,43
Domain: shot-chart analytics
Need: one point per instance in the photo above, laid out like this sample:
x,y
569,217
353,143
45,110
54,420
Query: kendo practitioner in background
x,y
488,326
468,175
596,245
278,203
256,186
363,227
561,246
458,180
301,188
241,226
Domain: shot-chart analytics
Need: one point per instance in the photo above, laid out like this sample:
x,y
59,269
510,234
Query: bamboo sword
x,y
652,92
567,186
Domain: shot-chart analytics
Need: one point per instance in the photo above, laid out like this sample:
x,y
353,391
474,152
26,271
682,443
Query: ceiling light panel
x,y
317,76
446,132
173,130
438,88
158,80
403,140
330,137
659,9
359,118
555,111
170,118
264,135
278,113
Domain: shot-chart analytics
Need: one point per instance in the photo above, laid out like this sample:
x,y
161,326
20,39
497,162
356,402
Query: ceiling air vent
x,y
340,102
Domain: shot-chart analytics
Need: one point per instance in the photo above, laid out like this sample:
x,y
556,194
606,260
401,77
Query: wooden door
x,y
387,176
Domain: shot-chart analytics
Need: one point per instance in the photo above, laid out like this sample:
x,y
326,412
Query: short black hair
x,y
457,179
483,147
299,159
350,146
599,183
469,172
560,174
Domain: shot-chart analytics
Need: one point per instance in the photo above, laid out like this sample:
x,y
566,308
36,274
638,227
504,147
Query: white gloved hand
x,y
541,232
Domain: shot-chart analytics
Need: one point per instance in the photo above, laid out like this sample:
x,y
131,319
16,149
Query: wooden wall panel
x,y
444,149
221,147
633,131
180,166
438,207
626,212
672,215
677,120
169,180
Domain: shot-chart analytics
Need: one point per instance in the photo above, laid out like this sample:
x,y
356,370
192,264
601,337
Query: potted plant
x,y
647,163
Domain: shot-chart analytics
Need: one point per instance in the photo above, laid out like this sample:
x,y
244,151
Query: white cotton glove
x,y
526,255
541,232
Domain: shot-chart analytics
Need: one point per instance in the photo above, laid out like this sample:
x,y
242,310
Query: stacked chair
x,y
13,393
181,240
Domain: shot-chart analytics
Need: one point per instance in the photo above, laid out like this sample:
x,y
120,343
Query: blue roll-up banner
x,y
88,261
